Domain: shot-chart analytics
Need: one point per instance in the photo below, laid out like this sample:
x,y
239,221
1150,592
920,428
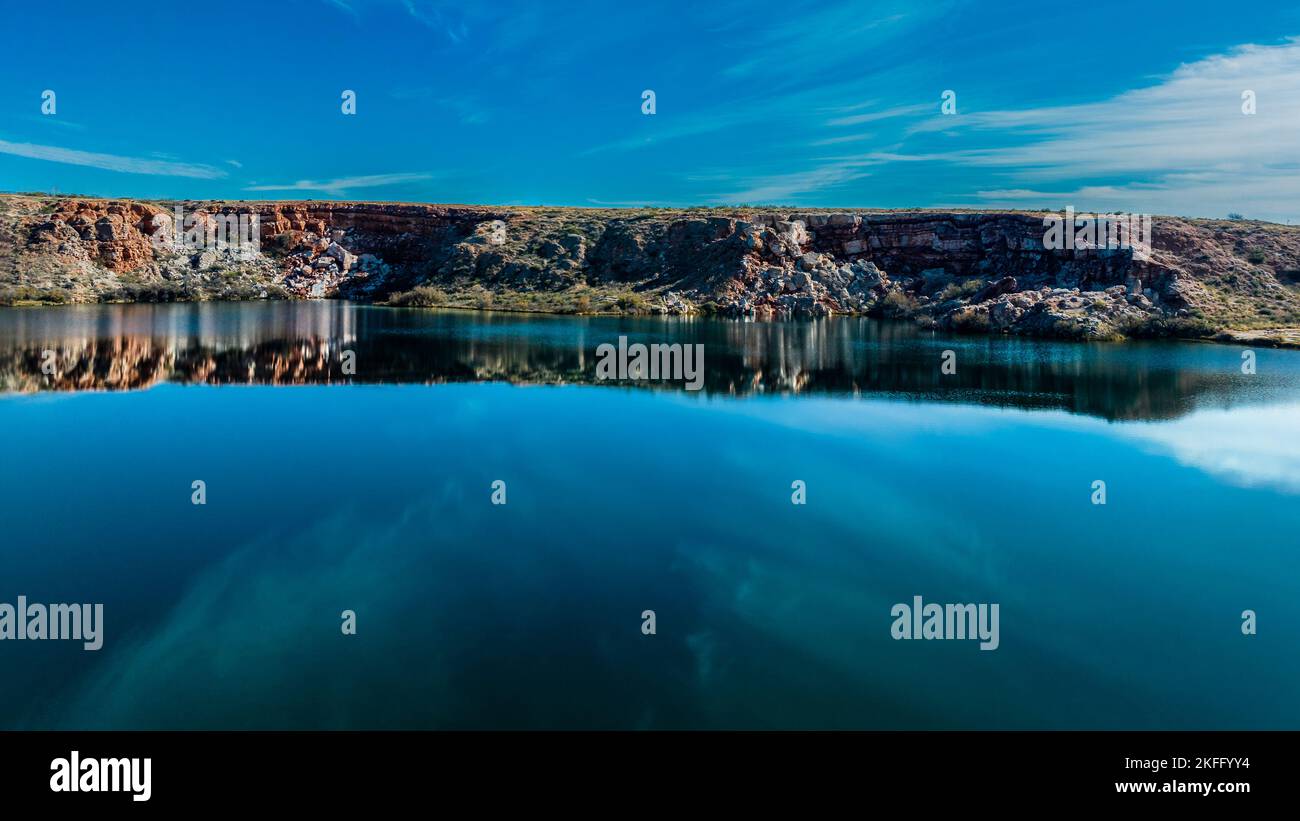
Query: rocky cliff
x,y
967,271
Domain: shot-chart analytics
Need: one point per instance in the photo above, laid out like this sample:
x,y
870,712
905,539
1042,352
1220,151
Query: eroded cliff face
x,y
958,270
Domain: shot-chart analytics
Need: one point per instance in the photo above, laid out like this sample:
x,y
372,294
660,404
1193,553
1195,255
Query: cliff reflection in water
x,y
124,347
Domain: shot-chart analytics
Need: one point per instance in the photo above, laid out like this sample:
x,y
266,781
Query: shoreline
x,y
991,272
1276,338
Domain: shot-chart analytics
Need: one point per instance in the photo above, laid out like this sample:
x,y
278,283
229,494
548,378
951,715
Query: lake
x,y
351,456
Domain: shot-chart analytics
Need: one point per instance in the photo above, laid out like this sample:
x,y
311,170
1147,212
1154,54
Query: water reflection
x,y
137,346
772,615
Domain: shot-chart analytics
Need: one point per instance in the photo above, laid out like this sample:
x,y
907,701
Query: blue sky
x,y
1103,106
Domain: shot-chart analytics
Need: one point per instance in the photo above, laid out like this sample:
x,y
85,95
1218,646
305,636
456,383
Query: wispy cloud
x,y
814,37
1178,146
439,17
469,109
58,121
342,5
779,188
1194,194
757,110
455,21
888,113
343,184
868,117
689,128
825,173
111,162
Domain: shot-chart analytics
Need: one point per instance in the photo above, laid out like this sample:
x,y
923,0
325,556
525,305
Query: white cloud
x,y
830,172
847,138
814,38
342,184
872,116
1248,446
779,188
111,162
690,128
58,121
1181,146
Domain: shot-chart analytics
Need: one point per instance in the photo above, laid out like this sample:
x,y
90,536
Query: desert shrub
x,y
25,293
152,292
1067,329
898,303
1165,327
630,303
960,290
968,320
424,296
244,292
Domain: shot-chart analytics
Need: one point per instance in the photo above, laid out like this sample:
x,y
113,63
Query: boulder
x,y
575,245
341,256
549,249
1006,285
491,232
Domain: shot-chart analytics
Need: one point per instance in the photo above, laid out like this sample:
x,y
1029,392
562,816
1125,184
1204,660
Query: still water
x,y
372,491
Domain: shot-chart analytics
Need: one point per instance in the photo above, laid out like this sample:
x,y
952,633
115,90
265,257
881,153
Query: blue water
x,y
371,492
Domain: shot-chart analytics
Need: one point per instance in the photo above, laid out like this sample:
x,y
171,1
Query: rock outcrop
x,y
965,271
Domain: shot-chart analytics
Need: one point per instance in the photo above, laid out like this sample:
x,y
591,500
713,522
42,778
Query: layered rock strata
x,y
967,271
